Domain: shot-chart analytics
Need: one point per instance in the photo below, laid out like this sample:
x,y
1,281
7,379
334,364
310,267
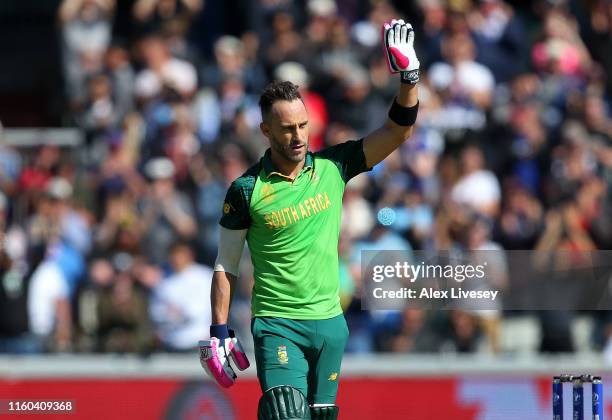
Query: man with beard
x,y
288,208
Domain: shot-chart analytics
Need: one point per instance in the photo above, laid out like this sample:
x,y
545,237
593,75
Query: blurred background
x,y
124,122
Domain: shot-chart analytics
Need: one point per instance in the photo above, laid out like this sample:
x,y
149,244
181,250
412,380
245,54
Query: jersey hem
x,y
297,316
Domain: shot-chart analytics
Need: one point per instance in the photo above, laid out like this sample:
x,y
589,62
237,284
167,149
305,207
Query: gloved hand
x,y
215,354
398,42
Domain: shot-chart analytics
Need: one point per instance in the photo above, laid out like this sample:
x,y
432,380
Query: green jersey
x,y
293,229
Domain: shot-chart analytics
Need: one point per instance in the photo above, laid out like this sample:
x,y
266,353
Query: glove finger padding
x,y
410,36
214,358
397,33
237,352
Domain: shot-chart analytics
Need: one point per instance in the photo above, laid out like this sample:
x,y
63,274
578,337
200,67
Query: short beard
x,y
286,153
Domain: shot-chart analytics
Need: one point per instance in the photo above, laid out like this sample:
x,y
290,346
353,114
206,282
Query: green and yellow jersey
x,y
293,228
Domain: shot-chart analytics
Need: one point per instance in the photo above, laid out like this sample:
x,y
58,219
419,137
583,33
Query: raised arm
x,y
380,143
398,43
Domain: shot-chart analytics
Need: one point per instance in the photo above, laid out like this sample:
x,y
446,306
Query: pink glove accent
x,y
238,355
401,60
214,360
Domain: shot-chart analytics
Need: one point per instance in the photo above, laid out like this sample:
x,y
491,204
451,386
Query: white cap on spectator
x,y
59,189
365,34
441,76
325,8
293,72
159,168
229,45
358,76
147,85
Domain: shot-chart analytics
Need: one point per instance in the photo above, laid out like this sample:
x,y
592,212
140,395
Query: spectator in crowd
x,y
460,76
477,188
49,306
286,43
498,35
15,335
411,336
99,111
34,177
520,221
176,303
119,228
354,99
162,72
120,305
231,58
153,15
462,333
357,215
167,214
598,38
561,51
87,28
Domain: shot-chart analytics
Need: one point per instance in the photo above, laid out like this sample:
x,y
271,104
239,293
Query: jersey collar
x,y
270,169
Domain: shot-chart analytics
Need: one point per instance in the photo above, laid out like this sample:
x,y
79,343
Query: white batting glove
x,y
215,357
398,42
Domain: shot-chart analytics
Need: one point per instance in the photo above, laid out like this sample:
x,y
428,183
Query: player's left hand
x,y
215,357
398,43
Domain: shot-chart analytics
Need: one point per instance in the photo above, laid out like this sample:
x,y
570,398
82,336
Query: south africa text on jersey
x,y
293,214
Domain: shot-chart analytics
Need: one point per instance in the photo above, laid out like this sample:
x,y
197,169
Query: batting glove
x,y
215,357
398,41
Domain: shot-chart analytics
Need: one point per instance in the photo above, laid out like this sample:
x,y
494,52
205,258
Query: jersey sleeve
x,y
235,208
348,157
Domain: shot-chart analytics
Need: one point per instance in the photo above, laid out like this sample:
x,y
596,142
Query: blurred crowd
x,y
108,248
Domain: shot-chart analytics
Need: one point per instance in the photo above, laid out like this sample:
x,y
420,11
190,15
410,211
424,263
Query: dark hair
x,y
277,91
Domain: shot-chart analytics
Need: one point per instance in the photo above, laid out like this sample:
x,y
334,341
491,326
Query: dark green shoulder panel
x,y
238,200
348,157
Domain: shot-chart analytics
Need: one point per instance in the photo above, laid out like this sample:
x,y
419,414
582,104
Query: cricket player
x,y
288,208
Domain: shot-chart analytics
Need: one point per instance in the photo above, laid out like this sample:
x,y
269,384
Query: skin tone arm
x,y
380,143
223,286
